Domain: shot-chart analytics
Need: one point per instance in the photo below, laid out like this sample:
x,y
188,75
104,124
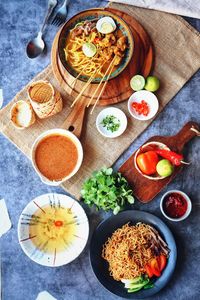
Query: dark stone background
x,y
23,279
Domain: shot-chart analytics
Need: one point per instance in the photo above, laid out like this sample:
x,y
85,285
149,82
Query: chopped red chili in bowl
x,y
141,108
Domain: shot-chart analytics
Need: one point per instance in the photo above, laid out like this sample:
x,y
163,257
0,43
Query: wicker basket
x,y
45,99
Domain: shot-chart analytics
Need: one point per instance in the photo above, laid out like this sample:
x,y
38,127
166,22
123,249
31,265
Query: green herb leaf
x,y
107,190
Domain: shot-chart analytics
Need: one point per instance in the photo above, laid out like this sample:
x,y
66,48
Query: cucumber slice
x,y
148,286
136,285
89,49
137,82
134,290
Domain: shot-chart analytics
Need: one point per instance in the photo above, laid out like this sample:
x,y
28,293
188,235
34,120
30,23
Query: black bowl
x,y
100,266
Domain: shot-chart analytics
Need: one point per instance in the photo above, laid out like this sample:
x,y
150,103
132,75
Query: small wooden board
x,y
145,189
117,89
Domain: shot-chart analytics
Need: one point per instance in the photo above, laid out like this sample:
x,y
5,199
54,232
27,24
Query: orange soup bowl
x,y
57,155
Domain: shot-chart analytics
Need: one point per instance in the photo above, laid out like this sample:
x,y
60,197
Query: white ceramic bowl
x,y
119,114
141,150
151,100
67,134
76,246
189,206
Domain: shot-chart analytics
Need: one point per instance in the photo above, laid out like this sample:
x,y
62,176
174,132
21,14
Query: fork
x,y
61,14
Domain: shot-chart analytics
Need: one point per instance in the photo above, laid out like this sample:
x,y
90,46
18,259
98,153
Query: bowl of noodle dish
x,y
133,254
95,44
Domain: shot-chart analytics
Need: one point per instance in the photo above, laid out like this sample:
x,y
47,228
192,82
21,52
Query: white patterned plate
x,y
71,251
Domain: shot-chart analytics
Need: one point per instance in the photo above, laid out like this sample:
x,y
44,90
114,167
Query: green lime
x,y
137,82
89,49
152,84
164,168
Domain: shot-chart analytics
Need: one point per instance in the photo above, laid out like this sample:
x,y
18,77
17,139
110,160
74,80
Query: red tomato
x,y
149,271
147,162
155,267
162,261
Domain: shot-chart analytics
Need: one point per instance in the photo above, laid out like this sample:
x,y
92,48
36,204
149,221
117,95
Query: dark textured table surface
x,y
22,278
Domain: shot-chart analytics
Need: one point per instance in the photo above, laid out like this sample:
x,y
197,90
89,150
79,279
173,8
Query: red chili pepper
x,y
97,40
141,108
175,158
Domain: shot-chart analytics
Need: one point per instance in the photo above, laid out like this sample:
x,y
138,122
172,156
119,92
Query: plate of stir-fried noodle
x,y
122,249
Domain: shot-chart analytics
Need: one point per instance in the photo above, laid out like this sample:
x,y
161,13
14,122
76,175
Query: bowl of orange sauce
x,y
57,155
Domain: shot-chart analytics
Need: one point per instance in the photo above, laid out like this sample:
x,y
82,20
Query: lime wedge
x,y
89,49
137,82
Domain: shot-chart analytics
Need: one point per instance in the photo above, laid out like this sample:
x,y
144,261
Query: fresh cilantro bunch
x,y
107,190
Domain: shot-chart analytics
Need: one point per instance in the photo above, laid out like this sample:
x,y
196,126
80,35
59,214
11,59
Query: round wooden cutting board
x,y
117,89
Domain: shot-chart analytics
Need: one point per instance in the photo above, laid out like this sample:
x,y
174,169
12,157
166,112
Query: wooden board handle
x,y
186,134
74,121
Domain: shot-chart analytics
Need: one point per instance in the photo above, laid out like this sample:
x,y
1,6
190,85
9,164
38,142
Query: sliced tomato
x,y
155,267
149,271
162,261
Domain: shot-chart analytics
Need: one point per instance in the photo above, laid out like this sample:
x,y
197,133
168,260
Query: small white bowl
x,y
119,114
189,206
150,99
69,253
64,133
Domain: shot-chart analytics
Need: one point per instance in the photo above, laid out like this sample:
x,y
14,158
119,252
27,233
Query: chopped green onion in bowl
x,y
111,123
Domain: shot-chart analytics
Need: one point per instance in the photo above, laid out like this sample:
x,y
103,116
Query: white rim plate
x,y
119,114
59,258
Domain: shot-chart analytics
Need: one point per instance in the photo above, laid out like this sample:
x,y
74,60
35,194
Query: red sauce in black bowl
x,y
175,205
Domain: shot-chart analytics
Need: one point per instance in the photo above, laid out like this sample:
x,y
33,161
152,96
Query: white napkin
x,y
189,8
5,223
44,295
1,98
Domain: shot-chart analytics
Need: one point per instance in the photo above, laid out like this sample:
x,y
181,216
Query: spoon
x,y
36,46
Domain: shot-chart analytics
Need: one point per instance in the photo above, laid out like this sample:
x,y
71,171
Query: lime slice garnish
x,y
89,49
137,82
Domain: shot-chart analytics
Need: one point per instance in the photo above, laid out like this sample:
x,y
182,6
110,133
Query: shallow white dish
x,y
119,114
71,252
189,206
151,100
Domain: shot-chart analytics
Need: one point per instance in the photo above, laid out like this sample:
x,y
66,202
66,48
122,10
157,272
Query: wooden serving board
x,y
146,189
118,89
